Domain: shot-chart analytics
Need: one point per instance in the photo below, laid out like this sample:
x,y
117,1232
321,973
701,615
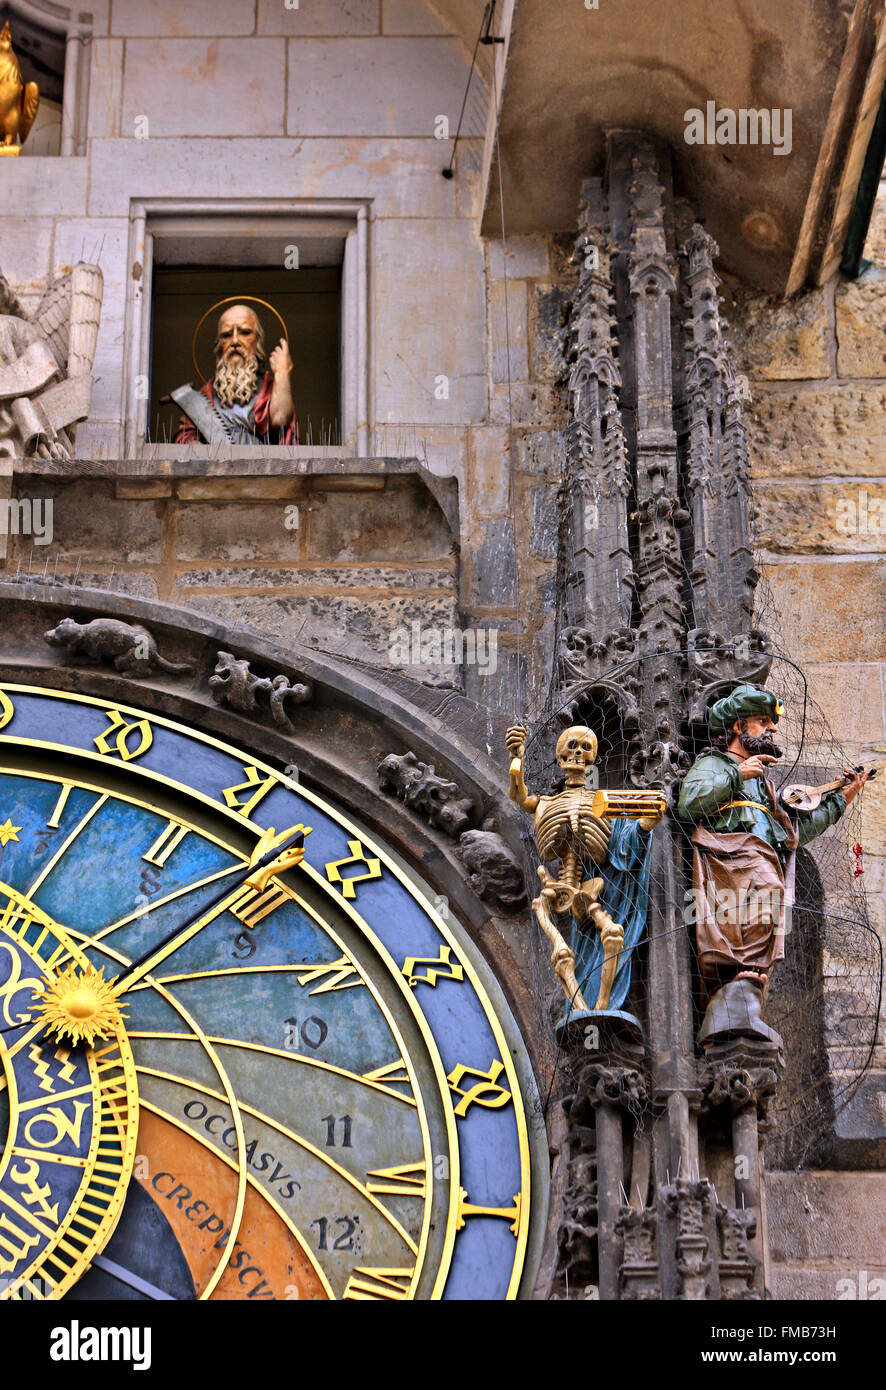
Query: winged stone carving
x,y
46,364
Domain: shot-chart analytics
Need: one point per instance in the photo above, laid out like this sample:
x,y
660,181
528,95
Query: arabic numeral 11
x,y
330,1122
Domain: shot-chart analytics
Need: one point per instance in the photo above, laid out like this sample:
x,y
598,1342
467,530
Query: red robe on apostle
x,y
189,434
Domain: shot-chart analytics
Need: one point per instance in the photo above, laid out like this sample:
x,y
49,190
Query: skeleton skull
x,y
576,748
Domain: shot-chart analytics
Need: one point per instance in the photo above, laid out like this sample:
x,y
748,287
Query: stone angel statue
x,y
46,364
602,840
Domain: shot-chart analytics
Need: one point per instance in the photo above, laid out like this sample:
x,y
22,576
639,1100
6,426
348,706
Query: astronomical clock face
x,y
303,1088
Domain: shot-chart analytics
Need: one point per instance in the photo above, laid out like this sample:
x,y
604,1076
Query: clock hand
x,y
268,858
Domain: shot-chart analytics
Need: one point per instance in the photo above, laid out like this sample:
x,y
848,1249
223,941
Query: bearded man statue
x,y
744,842
249,400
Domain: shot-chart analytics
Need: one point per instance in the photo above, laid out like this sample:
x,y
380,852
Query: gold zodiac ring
x,y
231,299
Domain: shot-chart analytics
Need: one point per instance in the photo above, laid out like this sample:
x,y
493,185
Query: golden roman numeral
x,y
447,969
119,726
169,838
375,1284
67,788
394,1071
357,856
14,1244
485,1092
254,906
407,1180
253,783
465,1208
340,971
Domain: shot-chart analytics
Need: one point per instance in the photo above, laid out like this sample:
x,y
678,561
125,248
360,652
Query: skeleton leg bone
x,y
562,957
612,937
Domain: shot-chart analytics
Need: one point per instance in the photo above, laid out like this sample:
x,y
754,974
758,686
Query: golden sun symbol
x,y
80,1005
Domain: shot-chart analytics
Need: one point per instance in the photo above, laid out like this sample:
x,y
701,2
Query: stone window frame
x,y
151,219
76,25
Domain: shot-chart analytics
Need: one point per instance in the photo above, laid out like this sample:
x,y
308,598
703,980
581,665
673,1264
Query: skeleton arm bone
x,y
517,789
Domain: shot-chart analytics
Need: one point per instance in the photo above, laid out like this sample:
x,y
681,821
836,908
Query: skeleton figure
x,y
572,826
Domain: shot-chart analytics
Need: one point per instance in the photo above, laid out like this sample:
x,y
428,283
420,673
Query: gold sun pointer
x,y
8,832
80,1005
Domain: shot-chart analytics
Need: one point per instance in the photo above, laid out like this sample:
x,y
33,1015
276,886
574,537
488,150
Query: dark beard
x,y
764,744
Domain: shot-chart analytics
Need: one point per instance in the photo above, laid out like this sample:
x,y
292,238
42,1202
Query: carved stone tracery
x,y
655,621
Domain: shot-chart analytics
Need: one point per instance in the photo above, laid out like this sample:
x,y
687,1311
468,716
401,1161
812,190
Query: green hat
x,y
744,700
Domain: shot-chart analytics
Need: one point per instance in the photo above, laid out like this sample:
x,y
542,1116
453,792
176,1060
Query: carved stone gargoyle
x,y
46,364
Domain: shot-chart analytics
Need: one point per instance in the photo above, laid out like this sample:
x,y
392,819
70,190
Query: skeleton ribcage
x,y
567,824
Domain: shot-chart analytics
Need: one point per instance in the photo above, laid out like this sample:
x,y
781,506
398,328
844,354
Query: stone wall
x,y
336,554
827,1236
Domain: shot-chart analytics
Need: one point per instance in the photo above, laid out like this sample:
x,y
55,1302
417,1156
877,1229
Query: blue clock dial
x,y
329,1102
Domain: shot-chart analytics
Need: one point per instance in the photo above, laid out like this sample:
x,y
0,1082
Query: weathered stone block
x,y
545,523
837,519
402,523
203,75
832,612
851,698
792,1282
89,520
26,242
105,87
421,373
541,451
840,429
237,531
781,341
399,175
170,19
532,403
837,1217
490,472
526,258
861,325
547,321
508,330
494,572
239,489
406,17
365,86
378,580
443,449
328,18
351,627
25,185
136,583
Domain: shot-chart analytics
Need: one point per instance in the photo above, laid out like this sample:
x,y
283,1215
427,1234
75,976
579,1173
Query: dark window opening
x,y
308,300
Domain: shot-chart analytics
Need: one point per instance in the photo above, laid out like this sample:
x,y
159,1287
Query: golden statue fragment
x,y
578,826
18,100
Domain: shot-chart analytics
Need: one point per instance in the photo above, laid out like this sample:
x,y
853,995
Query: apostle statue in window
x,y
249,399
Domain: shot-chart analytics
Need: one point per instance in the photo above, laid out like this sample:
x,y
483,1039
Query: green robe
x,y
743,865
715,779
